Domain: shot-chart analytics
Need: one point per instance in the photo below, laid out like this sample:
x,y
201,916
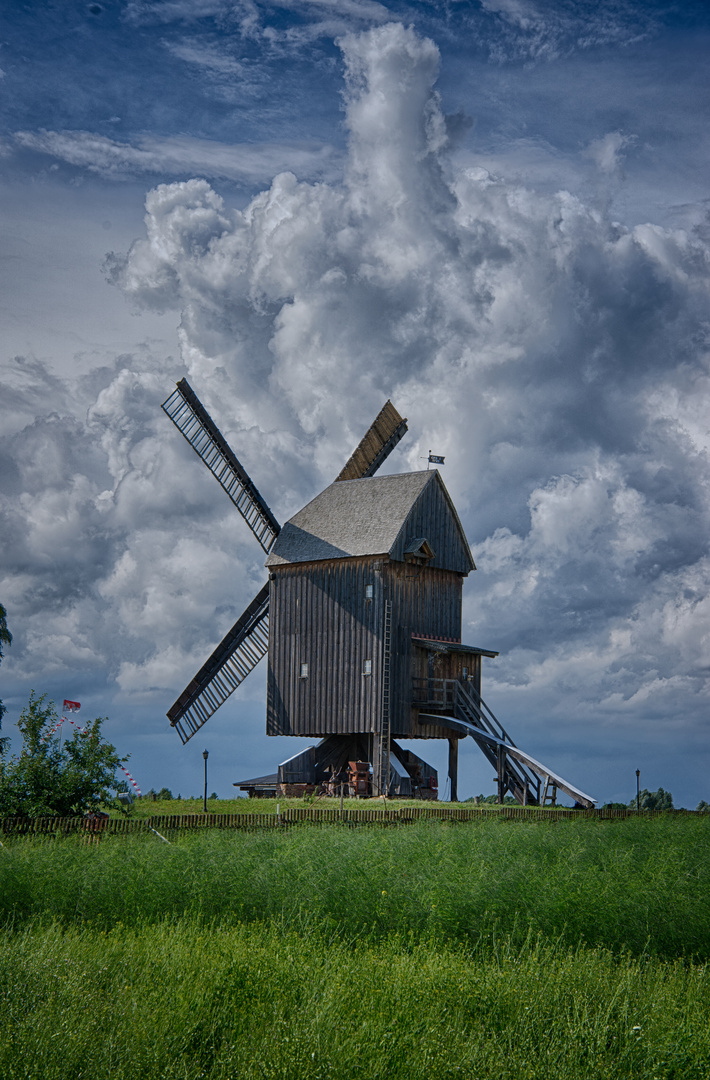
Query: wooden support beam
x,y
454,767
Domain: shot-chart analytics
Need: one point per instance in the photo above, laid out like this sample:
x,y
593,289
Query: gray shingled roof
x,y
350,518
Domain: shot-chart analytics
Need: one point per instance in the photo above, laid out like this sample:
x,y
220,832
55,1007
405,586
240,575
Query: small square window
x,y
367,667
369,592
464,672
304,671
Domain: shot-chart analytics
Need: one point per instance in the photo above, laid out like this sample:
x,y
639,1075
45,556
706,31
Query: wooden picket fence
x,y
308,815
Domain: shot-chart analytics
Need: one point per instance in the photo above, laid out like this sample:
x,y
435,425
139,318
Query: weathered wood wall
x,y
434,518
426,602
320,615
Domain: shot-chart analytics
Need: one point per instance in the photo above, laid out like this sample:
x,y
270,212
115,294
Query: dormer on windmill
x,y
418,551
361,619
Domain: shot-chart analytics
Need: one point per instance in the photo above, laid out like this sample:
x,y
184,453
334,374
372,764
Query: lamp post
x,y
205,754
638,773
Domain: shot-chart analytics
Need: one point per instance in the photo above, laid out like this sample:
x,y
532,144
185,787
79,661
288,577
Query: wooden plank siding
x,y
434,517
436,665
321,616
425,602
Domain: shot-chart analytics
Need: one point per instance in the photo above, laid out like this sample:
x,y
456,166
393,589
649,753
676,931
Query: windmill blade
x,y
235,656
376,444
194,422
247,641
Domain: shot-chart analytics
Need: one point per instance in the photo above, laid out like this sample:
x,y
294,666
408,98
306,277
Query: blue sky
x,y
494,213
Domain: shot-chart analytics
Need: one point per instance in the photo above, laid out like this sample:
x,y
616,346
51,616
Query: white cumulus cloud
x,y
558,359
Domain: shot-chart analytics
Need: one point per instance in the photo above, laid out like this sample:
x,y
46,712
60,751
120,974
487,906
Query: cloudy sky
x,y
493,212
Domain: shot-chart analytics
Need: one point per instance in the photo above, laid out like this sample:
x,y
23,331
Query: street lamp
x,y
205,754
638,773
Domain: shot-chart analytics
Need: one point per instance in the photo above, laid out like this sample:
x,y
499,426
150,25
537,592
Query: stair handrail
x,y
465,692
485,711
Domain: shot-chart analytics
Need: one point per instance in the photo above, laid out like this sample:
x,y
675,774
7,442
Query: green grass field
x,y
571,949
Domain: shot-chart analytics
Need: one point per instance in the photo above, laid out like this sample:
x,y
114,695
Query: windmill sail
x,y
235,656
247,641
194,422
376,444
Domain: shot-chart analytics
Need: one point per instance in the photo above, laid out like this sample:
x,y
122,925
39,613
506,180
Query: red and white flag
x,y
71,706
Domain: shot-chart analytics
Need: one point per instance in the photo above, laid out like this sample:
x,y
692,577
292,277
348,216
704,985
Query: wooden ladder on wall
x,y
382,763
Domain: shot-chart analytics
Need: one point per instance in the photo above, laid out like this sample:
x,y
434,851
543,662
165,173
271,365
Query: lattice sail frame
x,y
376,445
236,655
247,642
194,422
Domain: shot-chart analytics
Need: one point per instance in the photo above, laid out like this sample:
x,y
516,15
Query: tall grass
x,y
196,1000
635,885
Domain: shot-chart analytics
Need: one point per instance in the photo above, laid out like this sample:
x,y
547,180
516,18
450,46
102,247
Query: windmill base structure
x,y
361,621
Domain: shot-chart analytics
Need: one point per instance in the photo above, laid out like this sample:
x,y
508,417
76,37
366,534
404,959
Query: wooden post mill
x,y
361,621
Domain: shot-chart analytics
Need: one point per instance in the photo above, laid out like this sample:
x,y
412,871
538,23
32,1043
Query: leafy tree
x,y
653,800
5,639
703,807
165,793
50,778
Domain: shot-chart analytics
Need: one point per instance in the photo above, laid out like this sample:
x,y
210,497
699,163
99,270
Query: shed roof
x,y
437,645
258,781
369,516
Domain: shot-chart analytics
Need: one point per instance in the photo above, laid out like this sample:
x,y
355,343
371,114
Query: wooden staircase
x,y
456,704
511,776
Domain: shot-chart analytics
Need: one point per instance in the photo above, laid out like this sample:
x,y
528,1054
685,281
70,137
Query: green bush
x,y
652,800
50,777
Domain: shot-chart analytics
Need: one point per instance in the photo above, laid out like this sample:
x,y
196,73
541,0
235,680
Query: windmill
x,y
361,622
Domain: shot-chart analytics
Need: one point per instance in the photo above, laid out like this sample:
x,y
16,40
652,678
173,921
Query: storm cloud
x,y
558,358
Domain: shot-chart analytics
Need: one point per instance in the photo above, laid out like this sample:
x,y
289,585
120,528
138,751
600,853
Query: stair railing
x,y
469,704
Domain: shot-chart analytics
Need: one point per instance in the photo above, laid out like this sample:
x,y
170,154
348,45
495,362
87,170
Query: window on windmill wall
x,y
367,667
369,592
304,671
